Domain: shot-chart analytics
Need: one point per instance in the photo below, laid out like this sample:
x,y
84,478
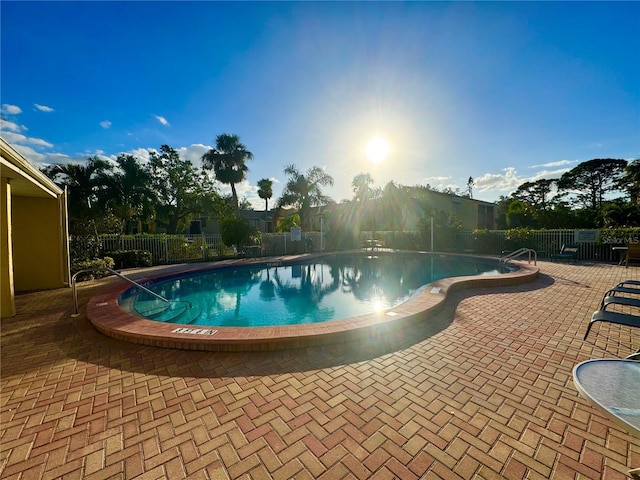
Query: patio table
x,y
372,245
613,387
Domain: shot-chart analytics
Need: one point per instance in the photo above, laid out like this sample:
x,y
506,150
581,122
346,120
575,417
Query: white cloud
x,y
58,158
105,124
11,126
38,159
162,120
43,108
140,153
19,139
41,160
559,163
435,179
11,109
193,153
245,190
46,159
502,182
39,142
508,181
548,174
13,137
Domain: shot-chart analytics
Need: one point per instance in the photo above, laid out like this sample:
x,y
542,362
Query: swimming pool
x,y
315,290
106,315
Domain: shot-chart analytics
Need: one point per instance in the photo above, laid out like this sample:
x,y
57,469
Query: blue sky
x,y
504,92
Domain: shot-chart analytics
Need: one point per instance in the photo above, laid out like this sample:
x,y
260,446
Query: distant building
x,y
34,246
473,214
256,218
409,212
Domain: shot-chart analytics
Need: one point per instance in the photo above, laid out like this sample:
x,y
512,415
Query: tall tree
x,y
592,180
228,161
128,192
630,181
535,193
304,190
265,191
181,191
361,185
84,182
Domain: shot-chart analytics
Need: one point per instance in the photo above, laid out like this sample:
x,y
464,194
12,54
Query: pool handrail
x,y
519,253
118,274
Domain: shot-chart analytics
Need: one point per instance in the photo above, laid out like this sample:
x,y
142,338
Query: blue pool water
x,y
319,290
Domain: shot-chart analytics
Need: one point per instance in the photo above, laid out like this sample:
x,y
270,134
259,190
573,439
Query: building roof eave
x,y
26,180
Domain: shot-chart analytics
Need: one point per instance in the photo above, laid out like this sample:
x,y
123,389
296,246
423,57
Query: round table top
x,y
613,386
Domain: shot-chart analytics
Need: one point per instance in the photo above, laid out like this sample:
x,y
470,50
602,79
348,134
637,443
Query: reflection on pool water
x,y
323,289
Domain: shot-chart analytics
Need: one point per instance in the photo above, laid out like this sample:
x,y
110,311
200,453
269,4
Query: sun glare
x,y
377,150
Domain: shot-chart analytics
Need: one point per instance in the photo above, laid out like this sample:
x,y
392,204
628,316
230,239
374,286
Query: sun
x,y
377,150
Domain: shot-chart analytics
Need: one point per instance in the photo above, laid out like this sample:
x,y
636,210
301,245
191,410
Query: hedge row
x,y
131,258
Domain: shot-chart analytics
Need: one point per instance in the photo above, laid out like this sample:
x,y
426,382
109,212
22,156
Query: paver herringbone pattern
x,y
488,396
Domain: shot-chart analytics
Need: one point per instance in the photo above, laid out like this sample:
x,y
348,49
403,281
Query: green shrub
x,y
84,247
517,238
237,231
484,241
131,258
97,266
446,226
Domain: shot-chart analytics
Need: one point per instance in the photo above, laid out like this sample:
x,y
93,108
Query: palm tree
x,y
305,190
361,185
228,161
265,192
84,183
128,193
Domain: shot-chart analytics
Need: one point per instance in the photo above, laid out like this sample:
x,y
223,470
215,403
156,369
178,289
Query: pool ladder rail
x,y
518,253
141,287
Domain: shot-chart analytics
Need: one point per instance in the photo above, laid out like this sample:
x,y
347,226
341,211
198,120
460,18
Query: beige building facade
x,y
34,245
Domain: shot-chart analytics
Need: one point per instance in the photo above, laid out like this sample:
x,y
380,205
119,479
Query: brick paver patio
x,y
482,390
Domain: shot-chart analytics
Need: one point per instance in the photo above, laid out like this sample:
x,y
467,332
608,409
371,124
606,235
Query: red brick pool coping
x,y
104,312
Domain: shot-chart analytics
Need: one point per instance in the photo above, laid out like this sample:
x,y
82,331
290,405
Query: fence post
x,y
166,250
431,234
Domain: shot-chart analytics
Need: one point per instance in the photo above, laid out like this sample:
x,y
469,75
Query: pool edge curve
x,y
105,314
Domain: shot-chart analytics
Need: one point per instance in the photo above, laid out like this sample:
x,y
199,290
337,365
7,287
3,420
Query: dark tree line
x,y
596,193
106,197
168,191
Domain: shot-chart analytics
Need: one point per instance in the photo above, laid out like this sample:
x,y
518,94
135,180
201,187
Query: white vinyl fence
x,y
544,242
169,249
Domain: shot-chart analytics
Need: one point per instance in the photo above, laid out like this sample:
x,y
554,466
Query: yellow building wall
x,y
38,259
465,210
7,304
